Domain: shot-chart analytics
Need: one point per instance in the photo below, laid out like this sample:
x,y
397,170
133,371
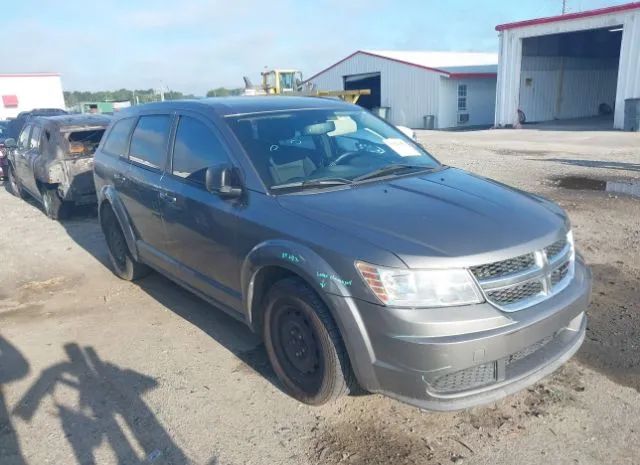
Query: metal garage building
x,y
451,89
24,92
571,66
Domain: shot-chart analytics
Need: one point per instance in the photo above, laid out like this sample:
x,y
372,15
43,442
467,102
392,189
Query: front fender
x,y
297,258
109,194
328,284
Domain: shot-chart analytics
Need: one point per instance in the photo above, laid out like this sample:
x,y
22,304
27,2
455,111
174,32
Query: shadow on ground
x,y
612,343
605,164
13,366
235,336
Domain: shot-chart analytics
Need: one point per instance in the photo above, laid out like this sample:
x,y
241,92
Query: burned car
x,y
52,161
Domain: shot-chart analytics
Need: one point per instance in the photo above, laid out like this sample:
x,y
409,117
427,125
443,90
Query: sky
x,y
195,45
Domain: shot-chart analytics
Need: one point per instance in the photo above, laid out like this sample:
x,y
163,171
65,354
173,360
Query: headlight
x,y
420,288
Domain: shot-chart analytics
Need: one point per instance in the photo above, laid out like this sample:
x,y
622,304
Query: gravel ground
x,y
97,370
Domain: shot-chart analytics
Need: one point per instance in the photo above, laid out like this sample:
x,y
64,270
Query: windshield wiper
x,y
313,183
391,169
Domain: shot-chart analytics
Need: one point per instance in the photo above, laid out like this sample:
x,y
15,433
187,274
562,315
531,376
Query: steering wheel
x,y
342,159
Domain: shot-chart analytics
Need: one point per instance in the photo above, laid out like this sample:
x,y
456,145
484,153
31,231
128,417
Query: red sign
x,y
10,100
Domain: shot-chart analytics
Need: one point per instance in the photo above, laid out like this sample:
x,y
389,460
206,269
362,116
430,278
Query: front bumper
x,y
455,358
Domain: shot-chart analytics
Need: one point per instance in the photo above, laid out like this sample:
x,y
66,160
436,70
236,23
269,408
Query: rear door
x,y
200,226
139,190
30,156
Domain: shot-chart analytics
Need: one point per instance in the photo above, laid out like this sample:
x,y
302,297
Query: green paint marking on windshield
x,y
332,277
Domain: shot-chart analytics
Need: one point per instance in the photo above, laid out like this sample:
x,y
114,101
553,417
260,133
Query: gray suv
x,y
362,261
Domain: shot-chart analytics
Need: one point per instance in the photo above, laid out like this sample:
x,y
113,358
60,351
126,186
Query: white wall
x,y
33,91
481,102
409,91
509,65
575,92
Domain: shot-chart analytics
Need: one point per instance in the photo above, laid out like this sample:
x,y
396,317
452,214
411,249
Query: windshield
x,y
310,145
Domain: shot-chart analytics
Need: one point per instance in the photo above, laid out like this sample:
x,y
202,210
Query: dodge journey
x,y
363,262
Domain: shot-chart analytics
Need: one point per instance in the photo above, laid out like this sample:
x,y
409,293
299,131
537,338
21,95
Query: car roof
x,y
66,121
225,106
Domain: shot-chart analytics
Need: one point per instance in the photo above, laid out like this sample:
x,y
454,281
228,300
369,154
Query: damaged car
x,y
52,161
363,262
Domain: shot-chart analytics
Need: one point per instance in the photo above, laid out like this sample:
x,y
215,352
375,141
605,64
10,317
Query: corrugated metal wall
x,y
481,102
548,93
409,91
510,61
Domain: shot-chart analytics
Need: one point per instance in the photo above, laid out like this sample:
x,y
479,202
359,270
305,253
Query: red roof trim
x,y
378,56
30,75
569,16
472,75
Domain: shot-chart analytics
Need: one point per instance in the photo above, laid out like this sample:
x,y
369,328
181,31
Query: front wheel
x,y
304,344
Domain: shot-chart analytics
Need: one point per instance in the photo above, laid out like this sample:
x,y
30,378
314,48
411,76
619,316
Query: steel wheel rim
x,y
297,347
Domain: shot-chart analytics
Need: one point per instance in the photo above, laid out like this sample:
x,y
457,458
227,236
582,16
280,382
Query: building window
x,y
462,97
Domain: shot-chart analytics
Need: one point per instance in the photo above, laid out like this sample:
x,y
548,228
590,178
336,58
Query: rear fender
x,y
110,195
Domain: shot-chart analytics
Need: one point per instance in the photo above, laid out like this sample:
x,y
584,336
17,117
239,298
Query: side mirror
x,y
10,143
224,181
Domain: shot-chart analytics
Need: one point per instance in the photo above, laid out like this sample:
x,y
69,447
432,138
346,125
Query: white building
x,y
455,89
570,66
23,92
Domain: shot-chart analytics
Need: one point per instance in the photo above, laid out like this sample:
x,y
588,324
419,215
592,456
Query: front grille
x,y
524,353
554,249
504,267
513,294
487,373
559,273
469,378
522,281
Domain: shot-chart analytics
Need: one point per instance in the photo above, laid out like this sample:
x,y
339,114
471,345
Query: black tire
x,y
304,344
13,185
124,265
54,206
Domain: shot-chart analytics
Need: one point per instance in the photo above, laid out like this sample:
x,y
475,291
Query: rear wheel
x,y
54,206
304,345
13,185
124,265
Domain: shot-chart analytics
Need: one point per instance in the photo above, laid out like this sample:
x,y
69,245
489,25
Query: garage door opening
x,y
571,78
369,81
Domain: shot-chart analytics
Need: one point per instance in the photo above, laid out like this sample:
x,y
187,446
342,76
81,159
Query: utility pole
x,y
564,7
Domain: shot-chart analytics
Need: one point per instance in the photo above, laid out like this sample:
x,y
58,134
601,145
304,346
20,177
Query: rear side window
x,y
34,140
118,137
149,140
196,148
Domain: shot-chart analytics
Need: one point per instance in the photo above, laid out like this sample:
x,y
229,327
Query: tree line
x,y
139,96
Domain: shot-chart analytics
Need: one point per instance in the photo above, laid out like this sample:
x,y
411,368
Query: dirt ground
x,y
95,370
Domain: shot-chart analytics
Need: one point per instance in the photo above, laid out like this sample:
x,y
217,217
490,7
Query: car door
x,y
29,158
139,185
19,153
200,225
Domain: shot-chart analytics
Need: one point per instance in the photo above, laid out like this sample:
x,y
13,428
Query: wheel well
x,y
262,282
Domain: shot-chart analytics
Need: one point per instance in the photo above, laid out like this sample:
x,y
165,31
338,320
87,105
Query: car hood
x,y
439,219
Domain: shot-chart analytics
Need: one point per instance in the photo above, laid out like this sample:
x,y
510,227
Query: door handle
x,y
118,178
167,197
